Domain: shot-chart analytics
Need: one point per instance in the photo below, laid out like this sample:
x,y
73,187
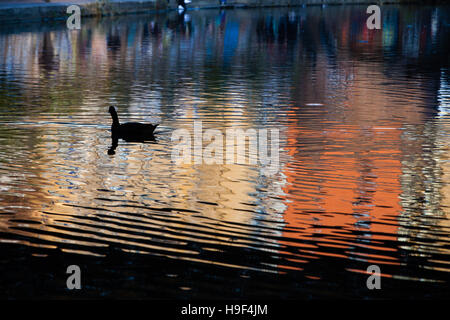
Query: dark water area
x,y
364,123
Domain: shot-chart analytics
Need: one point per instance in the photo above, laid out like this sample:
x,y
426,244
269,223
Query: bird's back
x,y
136,130
137,127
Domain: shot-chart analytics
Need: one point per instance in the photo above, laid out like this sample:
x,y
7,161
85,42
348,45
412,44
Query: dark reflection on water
x,y
364,160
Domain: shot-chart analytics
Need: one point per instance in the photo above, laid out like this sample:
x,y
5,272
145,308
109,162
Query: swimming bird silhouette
x,y
130,131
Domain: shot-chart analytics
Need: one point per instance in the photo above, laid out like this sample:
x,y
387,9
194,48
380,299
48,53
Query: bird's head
x,y
112,109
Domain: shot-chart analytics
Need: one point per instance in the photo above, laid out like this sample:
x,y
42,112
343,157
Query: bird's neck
x,y
115,119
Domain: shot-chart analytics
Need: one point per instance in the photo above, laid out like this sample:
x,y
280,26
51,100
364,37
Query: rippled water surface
x,y
364,171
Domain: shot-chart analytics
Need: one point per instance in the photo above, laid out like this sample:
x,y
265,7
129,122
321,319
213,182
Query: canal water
x,y
364,155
